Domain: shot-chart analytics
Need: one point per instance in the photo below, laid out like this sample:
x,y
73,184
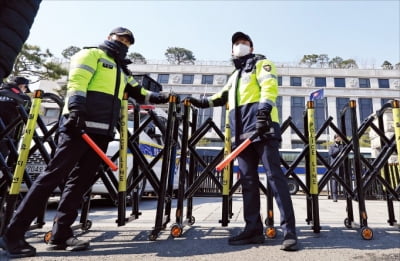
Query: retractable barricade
x,y
8,135
177,227
31,158
11,198
9,153
202,170
168,169
129,186
358,170
381,171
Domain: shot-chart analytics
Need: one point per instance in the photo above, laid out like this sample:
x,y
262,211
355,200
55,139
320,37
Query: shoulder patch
x,y
267,67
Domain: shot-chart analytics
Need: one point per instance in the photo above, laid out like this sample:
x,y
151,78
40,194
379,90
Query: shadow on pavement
x,y
201,240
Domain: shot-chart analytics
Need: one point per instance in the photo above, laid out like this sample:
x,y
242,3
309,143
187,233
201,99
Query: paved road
x,y
207,240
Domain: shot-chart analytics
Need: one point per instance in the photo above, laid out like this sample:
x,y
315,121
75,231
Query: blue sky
x,y
367,31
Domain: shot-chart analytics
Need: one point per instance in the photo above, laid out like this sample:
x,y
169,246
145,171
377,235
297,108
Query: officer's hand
x,y
158,97
263,123
75,123
199,103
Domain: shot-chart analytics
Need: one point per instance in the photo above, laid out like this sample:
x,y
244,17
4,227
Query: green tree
x,y
309,59
323,60
349,64
336,62
137,58
387,65
38,65
70,51
177,55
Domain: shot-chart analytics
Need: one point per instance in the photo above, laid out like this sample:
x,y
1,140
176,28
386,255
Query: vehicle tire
x,y
293,186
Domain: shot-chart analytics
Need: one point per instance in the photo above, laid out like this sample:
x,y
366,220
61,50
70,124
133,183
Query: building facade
x,y
370,88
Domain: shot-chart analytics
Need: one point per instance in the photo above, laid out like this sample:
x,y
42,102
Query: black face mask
x,y
115,49
246,62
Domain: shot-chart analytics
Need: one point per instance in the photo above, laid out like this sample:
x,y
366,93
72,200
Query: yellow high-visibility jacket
x,y
246,94
96,86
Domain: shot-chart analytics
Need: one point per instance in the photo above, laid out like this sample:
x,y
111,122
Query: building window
x,y
340,104
383,83
279,107
187,79
295,81
279,80
385,100
297,110
340,82
319,113
364,83
320,82
207,79
365,108
163,78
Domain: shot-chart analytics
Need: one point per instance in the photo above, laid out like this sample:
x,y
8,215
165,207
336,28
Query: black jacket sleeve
x,y
16,19
135,93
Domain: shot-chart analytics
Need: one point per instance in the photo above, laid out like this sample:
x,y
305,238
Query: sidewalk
x,y
207,240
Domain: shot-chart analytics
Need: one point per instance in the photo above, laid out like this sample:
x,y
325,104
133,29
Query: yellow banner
x,y
312,152
26,143
123,146
227,150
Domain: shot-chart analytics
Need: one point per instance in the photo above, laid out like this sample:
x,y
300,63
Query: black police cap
x,y
121,31
21,80
239,35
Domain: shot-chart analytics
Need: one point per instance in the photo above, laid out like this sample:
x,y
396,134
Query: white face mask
x,y
240,50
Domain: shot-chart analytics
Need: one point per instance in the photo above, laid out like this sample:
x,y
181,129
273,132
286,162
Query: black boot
x,y
247,237
71,244
17,248
289,242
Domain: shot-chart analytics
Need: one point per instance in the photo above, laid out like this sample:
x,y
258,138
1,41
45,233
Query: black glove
x,y
263,123
75,123
199,103
158,97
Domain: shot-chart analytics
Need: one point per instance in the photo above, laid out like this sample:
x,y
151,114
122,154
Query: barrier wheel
x,y
366,233
176,230
192,220
293,186
87,225
270,232
47,237
152,237
347,223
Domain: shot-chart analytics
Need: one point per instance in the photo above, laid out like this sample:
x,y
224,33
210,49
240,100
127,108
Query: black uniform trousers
x,y
268,152
75,163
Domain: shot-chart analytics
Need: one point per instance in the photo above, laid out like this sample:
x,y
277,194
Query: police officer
x,y
334,151
12,93
251,93
97,80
